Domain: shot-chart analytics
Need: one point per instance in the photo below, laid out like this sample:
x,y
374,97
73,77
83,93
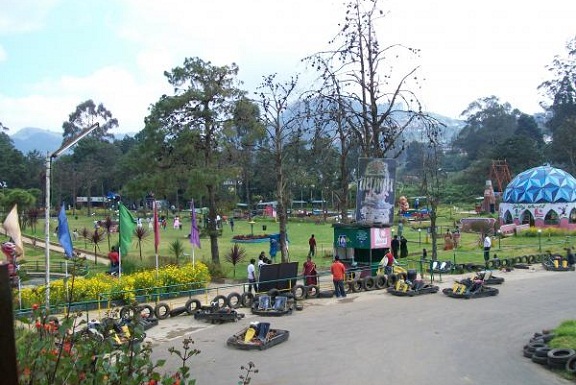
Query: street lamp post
x,y
420,237
499,238
49,157
539,239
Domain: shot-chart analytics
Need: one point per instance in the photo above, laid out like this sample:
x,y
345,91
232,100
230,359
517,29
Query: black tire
x,y
392,279
504,263
299,292
380,282
355,286
571,365
560,356
234,300
312,291
127,313
146,311
368,283
177,311
192,305
326,294
273,293
162,310
247,299
220,301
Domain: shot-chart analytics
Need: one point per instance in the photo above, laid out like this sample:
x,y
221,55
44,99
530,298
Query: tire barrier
x,y
355,286
192,305
368,283
247,299
312,291
234,300
326,294
504,263
558,358
540,355
220,301
380,282
571,365
162,310
177,311
299,292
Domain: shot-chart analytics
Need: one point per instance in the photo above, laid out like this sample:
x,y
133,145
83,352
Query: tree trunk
x,y
212,225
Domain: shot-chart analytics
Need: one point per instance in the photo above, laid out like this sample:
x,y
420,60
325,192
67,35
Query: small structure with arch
x,y
542,196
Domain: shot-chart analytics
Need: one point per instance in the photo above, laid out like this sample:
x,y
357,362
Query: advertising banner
x,y
375,197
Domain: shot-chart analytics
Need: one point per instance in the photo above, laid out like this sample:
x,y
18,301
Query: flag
x,y
126,228
156,229
12,228
194,233
64,233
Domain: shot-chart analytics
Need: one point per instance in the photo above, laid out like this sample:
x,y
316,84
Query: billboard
x,y
375,198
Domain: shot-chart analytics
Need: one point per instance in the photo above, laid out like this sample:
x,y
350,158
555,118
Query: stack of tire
x,y
539,352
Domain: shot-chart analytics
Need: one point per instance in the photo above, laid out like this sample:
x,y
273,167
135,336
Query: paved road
x,y
376,338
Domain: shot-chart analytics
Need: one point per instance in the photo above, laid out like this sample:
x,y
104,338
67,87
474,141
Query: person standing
x,y
231,224
403,247
312,246
310,274
338,271
395,245
114,258
251,275
487,246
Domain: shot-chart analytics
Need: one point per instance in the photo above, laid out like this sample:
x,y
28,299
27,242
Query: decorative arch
x,y
552,218
508,218
527,218
572,216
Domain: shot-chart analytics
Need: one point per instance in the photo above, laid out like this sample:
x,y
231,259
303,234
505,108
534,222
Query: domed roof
x,y
544,184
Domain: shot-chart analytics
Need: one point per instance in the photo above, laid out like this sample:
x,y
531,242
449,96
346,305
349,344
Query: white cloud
x,y
24,15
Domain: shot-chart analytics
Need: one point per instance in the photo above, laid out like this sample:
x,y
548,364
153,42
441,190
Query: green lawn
x,y
298,233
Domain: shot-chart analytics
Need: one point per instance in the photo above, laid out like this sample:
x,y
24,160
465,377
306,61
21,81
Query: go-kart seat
x,y
280,303
264,302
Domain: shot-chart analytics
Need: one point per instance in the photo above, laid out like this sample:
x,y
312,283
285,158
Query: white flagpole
x,y
155,227
119,263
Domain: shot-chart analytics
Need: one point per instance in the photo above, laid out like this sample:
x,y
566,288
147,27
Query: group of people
x,y
399,247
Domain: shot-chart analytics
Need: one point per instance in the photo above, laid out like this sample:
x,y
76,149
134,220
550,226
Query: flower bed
x,y
251,238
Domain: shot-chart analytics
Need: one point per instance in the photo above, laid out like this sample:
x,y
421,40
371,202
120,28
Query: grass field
x,y
299,231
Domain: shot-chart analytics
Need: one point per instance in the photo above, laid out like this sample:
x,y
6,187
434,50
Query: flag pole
x,y
156,234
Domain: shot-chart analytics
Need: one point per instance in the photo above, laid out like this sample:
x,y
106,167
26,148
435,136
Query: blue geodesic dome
x,y
544,184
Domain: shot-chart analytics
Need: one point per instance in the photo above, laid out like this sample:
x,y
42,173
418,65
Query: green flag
x,y
127,225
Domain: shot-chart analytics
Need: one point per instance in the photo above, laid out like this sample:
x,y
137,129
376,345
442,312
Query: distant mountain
x,y
30,138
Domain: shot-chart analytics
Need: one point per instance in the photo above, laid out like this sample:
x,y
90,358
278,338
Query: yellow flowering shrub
x,y
103,287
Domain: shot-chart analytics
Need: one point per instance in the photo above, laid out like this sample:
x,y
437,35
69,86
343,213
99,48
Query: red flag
x,y
156,228
194,232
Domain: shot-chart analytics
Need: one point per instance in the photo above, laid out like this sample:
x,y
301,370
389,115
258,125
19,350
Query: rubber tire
x,y
355,286
177,311
192,305
146,311
380,282
220,300
368,283
162,310
234,300
247,299
571,365
312,291
273,293
299,292
127,312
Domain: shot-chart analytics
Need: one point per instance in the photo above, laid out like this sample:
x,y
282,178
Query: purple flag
x,y
194,233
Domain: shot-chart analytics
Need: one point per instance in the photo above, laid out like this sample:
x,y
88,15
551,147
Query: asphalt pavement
x,y
377,338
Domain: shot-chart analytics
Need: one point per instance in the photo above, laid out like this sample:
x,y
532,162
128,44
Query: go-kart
x,y
488,278
118,332
259,336
216,314
468,288
557,263
266,305
404,288
443,267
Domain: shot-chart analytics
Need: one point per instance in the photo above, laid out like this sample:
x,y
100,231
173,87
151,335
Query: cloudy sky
x,y
55,54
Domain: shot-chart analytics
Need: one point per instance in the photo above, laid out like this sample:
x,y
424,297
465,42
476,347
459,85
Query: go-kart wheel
x,y
192,305
146,311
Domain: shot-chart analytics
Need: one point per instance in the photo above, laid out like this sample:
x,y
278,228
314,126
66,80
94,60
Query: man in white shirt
x,y
251,275
487,246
